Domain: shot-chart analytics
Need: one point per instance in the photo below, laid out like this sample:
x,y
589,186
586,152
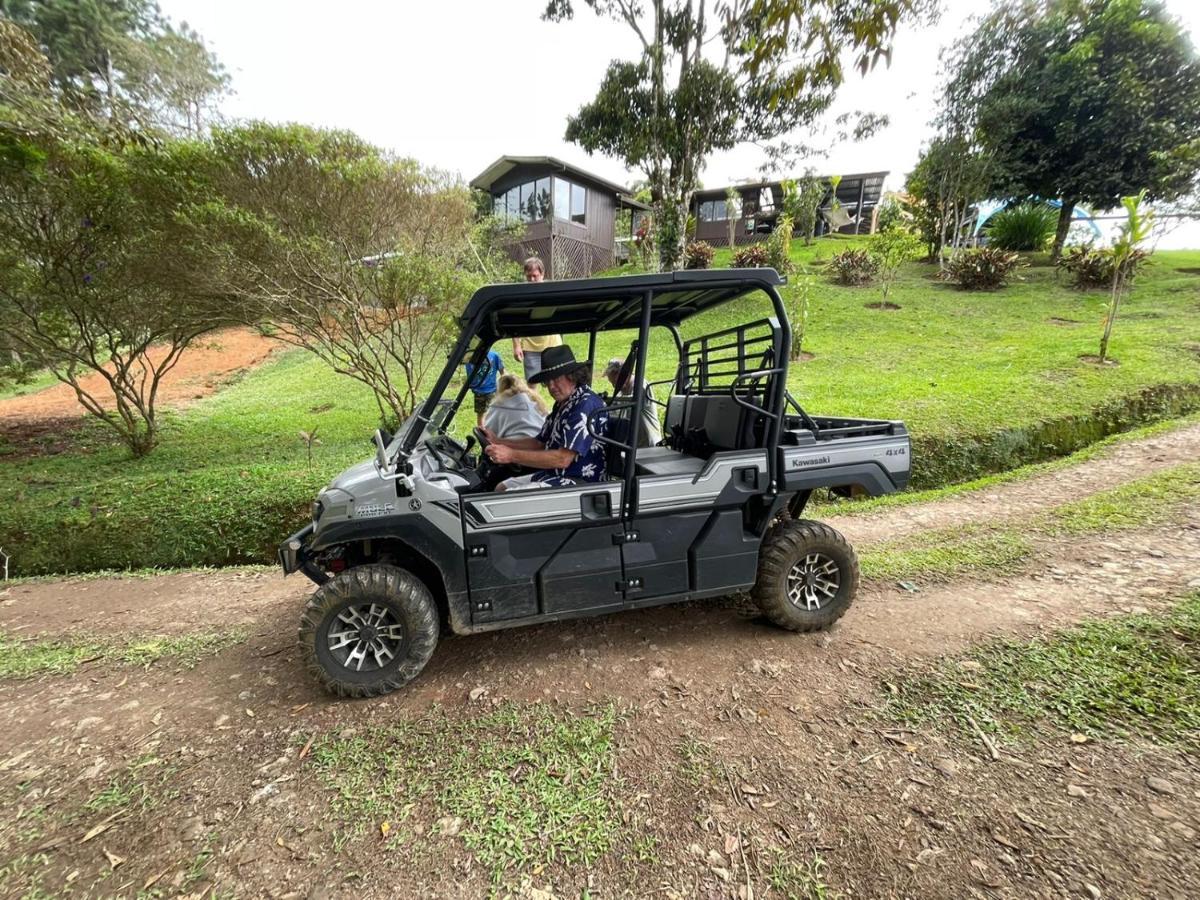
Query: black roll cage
x,y
628,302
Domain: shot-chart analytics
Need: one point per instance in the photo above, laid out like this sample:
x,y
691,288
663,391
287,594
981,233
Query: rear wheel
x,y
369,630
807,576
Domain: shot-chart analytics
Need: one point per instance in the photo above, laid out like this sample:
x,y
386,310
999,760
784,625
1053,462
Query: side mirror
x,y
381,443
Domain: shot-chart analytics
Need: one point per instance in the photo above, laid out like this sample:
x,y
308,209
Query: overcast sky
x,y
458,84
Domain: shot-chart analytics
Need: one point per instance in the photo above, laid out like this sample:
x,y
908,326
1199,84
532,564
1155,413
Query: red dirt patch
x,y
882,304
201,370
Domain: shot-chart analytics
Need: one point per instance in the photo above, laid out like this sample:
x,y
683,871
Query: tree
x,y
1083,100
101,279
733,212
891,249
949,179
362,258
801,199
706,80
1128,256
122,61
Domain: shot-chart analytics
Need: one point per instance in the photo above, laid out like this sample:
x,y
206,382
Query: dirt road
x,y
796,767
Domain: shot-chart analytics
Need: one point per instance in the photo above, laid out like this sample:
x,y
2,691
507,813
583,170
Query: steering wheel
x,y
481,437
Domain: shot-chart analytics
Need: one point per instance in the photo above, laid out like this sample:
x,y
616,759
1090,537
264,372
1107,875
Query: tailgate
x,y
879,464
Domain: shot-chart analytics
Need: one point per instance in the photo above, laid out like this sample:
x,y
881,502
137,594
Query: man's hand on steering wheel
x,y
498,453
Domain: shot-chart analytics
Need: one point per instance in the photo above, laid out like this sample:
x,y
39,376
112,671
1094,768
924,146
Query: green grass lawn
x,y
984,382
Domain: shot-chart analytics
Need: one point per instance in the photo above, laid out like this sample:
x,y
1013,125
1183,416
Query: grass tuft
x,y
62,656
1124,677
532,784
972,549
946,553
1153,500
804,880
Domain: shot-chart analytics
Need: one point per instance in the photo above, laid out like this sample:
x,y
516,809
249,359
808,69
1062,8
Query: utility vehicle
x,y
415,541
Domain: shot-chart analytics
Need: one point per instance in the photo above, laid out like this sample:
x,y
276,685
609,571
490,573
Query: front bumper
x,y
294,557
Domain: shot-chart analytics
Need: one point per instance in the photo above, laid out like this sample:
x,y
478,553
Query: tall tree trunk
x,y
1064,225
671,233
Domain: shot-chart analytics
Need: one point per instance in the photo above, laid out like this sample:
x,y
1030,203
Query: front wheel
x,y
369,630
807,576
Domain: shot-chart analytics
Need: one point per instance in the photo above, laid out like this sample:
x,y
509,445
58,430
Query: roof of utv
x,y
602,304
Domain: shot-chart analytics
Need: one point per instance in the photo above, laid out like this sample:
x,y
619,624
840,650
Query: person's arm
x,y
513,443
534,459
518,353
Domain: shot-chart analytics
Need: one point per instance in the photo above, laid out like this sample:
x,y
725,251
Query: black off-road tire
x,y
400,616
807,576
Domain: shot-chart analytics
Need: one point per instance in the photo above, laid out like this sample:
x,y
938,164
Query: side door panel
x,y
689,528
541,552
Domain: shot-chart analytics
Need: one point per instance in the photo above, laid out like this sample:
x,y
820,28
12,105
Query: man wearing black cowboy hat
x,y
564,452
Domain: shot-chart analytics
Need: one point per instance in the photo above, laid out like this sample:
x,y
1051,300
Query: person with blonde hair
x,y
517,409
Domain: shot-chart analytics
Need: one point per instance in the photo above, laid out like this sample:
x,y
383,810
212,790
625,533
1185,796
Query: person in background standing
x,y
483,384
528,350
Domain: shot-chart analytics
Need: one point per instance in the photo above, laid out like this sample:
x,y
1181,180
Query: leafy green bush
x,y
1027,226
698,255
892,215
752,256
778,244
853,267
1091,267
890,250
981,268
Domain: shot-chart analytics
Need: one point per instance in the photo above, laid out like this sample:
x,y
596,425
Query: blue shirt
x,y
566,429
486,384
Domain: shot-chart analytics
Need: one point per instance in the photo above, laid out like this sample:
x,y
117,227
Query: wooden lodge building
x,y
762,202
570,215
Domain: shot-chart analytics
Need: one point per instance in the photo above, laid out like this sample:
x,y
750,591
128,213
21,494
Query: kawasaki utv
x,y
415,541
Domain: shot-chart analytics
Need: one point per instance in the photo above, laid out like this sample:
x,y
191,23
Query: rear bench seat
x,y
720,421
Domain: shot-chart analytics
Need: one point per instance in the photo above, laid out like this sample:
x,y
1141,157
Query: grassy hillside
x,y
984,381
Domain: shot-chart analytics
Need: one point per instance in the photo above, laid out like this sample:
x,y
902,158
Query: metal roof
x,y
604,304
505,164
751,185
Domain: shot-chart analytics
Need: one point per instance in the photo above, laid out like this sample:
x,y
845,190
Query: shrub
x,y
981,268
752,256
892,215
889,250
698,255
1027,226
1091,267
853,267
777,245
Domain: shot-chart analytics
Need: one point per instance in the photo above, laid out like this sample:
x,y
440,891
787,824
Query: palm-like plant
x,y
1128,256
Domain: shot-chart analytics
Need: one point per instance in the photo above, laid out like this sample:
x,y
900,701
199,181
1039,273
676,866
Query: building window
x,y
562,199
529,202
578,204
716,211
766,200
540,200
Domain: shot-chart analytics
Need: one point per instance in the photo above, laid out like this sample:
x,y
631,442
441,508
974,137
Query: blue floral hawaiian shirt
x,y
566,428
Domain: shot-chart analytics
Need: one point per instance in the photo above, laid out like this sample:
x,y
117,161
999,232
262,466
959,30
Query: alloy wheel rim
x,y
366,637
813,582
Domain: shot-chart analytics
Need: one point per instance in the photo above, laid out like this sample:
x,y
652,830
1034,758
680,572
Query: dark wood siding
x,y
569,249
